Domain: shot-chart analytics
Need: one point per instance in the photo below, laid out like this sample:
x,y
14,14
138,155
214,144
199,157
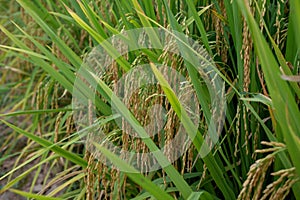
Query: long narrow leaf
x,y
62,152
134,175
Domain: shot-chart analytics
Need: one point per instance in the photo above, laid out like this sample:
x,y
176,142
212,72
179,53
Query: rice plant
x,y
72,68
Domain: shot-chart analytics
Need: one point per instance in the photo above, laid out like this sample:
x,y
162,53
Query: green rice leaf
x,y
53,147
35,196
134,175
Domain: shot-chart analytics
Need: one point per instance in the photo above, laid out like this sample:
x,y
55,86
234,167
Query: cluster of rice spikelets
x,y
253,187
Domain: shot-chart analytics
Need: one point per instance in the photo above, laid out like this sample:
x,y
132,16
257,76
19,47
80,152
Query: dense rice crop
x,y
83,81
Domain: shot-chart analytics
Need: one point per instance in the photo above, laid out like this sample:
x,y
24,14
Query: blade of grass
x,y
28,112
192,19
146,23
45,143
203,195
101,40
31,195
24,174
292,50
91,15
235,26
31,53
295,17
134,175
199,25
65,184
